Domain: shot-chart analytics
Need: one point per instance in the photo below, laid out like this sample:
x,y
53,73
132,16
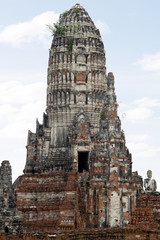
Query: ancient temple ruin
x,y
78,172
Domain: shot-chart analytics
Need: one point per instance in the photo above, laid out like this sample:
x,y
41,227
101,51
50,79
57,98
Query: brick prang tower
x,y
78,171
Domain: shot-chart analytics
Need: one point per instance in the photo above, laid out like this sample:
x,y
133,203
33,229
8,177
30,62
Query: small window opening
x,y
82,161
86,99
6,229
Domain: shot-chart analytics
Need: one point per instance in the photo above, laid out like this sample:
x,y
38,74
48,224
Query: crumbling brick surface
x,y
109,234
147,212
44,201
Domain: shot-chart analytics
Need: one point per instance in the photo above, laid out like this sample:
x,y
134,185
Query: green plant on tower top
x,y
75,10
57,29
65,14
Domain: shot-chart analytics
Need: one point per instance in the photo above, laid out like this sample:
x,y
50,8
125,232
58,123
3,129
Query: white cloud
x,y
18,93
138,113
103,27
23,120
27,32
24,76
148,102
20,105
150,62
143,150
137,138
139,146
141,109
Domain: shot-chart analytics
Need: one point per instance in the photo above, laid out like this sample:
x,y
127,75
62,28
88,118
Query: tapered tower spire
x,y
76,82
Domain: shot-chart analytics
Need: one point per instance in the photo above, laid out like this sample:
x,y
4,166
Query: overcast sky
x,y
131,34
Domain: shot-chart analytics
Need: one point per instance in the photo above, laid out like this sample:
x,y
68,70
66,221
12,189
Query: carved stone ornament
x,y
81,98
80,77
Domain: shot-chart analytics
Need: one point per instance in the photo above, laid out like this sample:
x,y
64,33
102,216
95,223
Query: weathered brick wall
x,y
27,236
107,234
147,211
113,234
45,201
69,201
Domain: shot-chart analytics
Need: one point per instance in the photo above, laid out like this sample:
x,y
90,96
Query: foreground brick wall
x,y
107,234
4,236
114,234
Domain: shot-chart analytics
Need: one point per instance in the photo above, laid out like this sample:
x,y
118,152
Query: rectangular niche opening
x,y
83,161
